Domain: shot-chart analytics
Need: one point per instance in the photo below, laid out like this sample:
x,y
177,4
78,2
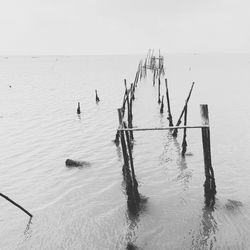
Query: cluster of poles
x,y
155,64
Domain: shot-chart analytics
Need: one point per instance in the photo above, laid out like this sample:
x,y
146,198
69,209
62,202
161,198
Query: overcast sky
x,y
44,27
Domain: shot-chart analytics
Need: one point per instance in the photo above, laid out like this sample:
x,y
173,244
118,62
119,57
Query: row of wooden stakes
x,y
125,134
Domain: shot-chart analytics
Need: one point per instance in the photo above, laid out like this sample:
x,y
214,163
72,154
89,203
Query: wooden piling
x,y
120,118
131,183
135,183
182,112
159,90
184,141
209,185
154,78
78,108
170,119
97,99
162,105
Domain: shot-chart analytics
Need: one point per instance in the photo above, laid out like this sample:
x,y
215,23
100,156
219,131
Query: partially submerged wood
x,y
78,108
170,119
73,163
184,141
162,105
120,118
182,112
97,99
209,185
159,90
17,205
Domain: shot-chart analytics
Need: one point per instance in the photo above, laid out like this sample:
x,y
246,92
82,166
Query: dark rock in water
x,y
72,163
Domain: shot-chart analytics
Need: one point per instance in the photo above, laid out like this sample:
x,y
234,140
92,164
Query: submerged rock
x,y
72,163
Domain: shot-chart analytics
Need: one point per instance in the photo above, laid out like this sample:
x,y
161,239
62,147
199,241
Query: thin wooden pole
x,y
97,99
209,185
184,142
78,109
17,205
159,90
120,118
162,105
183,110
164,128
170,119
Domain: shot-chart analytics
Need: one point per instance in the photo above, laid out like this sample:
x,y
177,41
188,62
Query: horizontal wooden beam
x,y
165,128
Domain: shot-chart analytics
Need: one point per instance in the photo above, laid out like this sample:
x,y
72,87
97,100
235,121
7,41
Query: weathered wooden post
x,y
159,90
135,183
97,99
131,183
154,77
170,119
78,109
162,105
120,118
209,185
184,142
183,110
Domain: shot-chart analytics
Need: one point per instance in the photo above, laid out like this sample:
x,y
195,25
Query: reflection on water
x,y
206,237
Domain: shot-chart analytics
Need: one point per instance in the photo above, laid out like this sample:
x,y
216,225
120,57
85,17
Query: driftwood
x,y
73,163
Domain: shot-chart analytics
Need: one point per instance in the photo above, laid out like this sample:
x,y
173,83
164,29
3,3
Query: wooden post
x,y
120,117
78,109
97,99
162,105
159,90
184,142
131,191
154,78
170,119
209,185
183,110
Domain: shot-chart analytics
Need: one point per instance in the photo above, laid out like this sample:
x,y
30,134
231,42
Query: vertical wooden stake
x,y
159,90
170,119
97,99
154,78
120,117
184,142
209,185
162,105
78,108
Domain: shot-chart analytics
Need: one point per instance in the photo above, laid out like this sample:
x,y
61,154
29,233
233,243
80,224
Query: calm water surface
x,y
86,208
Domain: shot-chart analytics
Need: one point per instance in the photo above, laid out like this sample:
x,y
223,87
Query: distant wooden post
x,y
184,142
182,113
154,78
168,102
209,185
159,90
78,109
162,105
97,99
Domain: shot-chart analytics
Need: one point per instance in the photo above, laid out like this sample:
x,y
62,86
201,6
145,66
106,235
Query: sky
x,y
86,27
